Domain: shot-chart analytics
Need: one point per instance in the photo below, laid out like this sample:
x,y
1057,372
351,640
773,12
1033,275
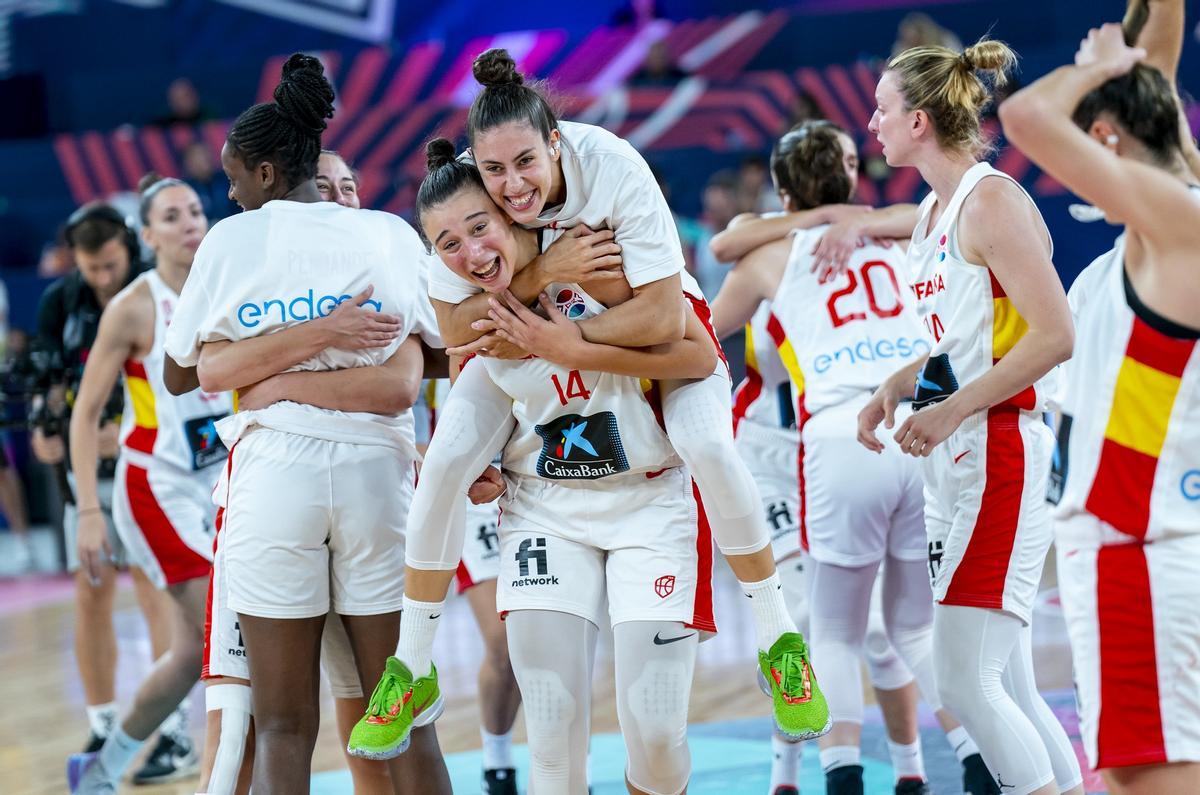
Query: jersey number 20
x,y
863,277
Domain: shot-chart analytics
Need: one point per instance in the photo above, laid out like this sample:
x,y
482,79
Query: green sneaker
x,y
785,675
397,706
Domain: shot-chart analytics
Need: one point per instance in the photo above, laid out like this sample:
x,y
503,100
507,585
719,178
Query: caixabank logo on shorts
x,y
575,447
203,441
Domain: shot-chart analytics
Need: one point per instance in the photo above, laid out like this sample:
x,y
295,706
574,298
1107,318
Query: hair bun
x,y
495,67
304,96
439,152
148,181
988,55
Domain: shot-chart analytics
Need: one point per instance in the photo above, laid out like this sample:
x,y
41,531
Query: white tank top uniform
x,y
170,458
1128,522
315,496
765,435
985,511
844,338
598,505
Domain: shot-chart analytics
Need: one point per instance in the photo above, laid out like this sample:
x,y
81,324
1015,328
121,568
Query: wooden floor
x,y
43,718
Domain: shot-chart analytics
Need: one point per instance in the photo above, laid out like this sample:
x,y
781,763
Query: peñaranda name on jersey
x,y
576,447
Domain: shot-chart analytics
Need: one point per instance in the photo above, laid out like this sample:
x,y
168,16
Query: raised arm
x,y
225,365
1037,120
753,279
385,389
748,231
559,340
1157,27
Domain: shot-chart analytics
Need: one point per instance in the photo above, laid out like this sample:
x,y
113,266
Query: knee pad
x,y
337,658
886,669
654,722
550,708
236,708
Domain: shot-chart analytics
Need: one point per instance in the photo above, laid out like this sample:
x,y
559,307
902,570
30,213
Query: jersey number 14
x,y
575,387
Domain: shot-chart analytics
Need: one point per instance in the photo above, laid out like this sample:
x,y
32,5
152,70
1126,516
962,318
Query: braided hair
x,y
287,132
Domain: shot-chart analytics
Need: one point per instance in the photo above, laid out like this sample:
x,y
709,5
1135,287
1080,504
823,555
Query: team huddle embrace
x,y
590,449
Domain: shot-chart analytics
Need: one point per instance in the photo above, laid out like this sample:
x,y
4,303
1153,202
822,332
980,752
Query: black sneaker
x,y
500,781
912,786
172,758
976,778
94,743
845,780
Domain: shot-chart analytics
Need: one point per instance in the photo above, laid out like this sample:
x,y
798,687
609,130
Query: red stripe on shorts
x,y
462,576
1130,727
702,610
208,603
178,561
979,579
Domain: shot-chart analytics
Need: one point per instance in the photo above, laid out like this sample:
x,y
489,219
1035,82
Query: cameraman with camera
x,y
108,257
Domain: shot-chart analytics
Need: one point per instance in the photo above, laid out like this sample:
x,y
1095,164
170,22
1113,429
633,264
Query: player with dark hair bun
x,y
316,496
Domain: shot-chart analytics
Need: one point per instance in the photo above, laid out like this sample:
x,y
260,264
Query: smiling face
x,y
335,181
473,238
177,224
891,123
522,172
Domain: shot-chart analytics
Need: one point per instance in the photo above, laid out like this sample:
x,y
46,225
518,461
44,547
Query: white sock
x,y
839,756
785,762
102,718
907,760
497,750
771,616
962,743
118,751
176,723
418,625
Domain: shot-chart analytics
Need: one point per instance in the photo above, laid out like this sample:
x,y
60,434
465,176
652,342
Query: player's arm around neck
x,y
748,231
654,316
999,229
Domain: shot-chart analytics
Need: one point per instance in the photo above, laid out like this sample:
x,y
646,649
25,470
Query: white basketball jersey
x,y
579,424
765,396
965,310
1129,438
160,427
847,336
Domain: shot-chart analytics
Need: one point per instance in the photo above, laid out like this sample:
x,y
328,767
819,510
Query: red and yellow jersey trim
x,y
145,414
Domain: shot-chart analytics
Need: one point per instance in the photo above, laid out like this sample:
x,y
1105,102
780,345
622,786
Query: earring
x,y
1112,140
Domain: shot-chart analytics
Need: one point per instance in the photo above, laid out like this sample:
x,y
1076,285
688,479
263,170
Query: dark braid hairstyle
x,y
807,165
446,176
287,132
506,97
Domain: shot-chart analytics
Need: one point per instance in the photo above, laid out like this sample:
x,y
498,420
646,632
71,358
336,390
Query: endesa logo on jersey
x,y
581,448
871,350
306,306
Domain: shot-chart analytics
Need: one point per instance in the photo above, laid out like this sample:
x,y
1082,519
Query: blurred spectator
x,y
755,191
201,172
919,30
688,229
183,105
637,13
805,108
57,259
659,68
719,206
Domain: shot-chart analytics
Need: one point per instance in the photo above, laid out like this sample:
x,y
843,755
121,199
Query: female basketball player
x,y
838,338
313,495
1128,528
588,471
170,459
996,312
544,173
499,697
